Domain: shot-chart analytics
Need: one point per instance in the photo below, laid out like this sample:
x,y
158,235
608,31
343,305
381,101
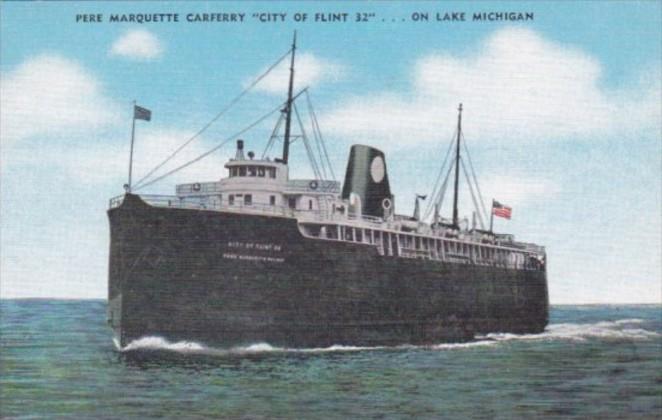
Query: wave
x,y
623,329
154,343
609,330
191,347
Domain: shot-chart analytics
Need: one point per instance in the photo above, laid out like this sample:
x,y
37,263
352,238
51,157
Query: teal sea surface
x,y
57,360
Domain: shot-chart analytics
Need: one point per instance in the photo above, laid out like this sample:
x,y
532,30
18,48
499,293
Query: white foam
x,y
116,342
629,321
607,330
468,345
159,343
258,348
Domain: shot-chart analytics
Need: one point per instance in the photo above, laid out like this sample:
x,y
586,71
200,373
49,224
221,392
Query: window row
x,y
253,171
410,246
246,199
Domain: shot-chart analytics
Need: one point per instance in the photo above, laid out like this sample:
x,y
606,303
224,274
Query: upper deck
x,y
392,237
363,212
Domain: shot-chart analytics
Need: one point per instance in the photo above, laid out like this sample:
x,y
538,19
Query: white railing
x,y
173,201
197,204
200,203
402,244
312,185
199,187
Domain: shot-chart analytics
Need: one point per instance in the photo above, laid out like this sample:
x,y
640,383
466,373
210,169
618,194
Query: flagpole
x,y
492,216
133,132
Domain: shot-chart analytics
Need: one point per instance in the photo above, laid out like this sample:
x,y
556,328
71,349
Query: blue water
x,y
57,359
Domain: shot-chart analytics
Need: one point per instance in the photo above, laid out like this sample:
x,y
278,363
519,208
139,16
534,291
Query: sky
x,y
562,116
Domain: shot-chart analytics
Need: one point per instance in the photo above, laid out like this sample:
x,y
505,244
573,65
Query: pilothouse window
x,y
272,172
260,172
252,171
242,171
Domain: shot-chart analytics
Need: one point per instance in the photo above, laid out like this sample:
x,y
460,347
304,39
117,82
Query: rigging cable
x,y
274,135
473,197
442,191
319,150
309,151
322,166
316,128
473,173
223,143
219,115
435,190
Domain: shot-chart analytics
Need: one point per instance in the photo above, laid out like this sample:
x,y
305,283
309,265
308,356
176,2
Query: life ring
x,y
386,204
196,186
313,185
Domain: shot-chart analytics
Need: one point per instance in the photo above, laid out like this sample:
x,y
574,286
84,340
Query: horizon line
x,y
551,303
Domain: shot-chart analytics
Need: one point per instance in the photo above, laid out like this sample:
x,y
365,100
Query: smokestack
x,y
240,150
366,177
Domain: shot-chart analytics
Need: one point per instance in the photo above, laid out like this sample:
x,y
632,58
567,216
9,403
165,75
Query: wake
x,y
619,330
623,329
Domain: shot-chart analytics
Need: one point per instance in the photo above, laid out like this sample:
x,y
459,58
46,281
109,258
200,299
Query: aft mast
x,y
456,224
288,109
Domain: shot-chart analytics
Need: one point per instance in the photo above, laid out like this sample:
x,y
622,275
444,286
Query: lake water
x,y
57,359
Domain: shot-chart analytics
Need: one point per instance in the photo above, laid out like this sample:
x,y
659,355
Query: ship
x,y
259,257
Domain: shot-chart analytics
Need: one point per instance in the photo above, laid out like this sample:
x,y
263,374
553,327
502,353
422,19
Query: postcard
x,y
220,209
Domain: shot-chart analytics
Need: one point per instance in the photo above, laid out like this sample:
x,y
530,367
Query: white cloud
x,y
109,162
137,44
309,70
517,86
516,191
54,95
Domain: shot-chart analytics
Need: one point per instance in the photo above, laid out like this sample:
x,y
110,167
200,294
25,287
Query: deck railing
x,y
321,215
199,188
173,201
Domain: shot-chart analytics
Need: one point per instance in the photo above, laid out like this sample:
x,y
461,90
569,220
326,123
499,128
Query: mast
x,y
288,109
457,166
127,187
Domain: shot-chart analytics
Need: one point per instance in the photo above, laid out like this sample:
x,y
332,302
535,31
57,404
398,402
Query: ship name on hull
x,y
246,257
253,246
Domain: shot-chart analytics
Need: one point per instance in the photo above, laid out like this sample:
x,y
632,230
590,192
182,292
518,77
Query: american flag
x,y
140,113
501,210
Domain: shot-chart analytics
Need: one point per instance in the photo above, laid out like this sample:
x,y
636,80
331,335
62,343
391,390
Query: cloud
x,y
516,191
108,161
137,44
50,94
309,70
62,109
518,86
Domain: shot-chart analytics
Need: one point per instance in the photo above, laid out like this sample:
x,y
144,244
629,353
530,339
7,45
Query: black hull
x,y
227,279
